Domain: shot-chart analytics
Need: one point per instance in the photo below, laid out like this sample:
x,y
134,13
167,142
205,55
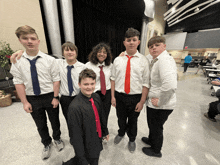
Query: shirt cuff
x,y
56,79
112,78
146,85
17,82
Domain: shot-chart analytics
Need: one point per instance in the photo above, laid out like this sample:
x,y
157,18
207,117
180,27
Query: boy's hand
x,y
113,101
55,103
107,137
155,101
27,107
16,55
139,107
122,54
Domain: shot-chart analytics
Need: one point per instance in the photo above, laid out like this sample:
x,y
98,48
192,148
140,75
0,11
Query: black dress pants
x,y
186,66
106,101
40,105
127,117
65,102
213,111
156,119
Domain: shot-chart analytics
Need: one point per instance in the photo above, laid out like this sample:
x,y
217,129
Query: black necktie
x,y
69,79
34,77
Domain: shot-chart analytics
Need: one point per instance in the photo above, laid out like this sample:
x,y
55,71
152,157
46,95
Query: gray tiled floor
x,y
189,138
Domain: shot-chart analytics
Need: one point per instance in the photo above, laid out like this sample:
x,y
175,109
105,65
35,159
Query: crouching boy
x,y
214,108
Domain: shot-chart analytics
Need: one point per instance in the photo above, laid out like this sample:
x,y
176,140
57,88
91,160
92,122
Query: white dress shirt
x,y
107,72
139,73
46,69
78,67
163,81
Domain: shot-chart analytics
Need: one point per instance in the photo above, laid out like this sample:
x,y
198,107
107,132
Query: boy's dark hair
x,y
93,54
131,32
69,45
156,39
23,30
87,73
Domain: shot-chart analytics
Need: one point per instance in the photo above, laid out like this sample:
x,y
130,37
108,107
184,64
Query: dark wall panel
x,y
206,39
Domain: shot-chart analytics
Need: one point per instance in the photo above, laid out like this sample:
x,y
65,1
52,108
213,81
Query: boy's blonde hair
x,y
23,30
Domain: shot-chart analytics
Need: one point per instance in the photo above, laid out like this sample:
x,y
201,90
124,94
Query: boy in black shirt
x,y
86,121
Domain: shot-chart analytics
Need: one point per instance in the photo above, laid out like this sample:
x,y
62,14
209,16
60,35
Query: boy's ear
x,y
139,41
79,85
165,46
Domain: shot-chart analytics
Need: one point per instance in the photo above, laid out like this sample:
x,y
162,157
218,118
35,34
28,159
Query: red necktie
x,y
128,75
98,126
102,80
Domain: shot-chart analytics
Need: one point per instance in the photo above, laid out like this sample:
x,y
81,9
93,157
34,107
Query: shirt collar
x,y
162,54
101,64
66,64
137,54
26,55
85,97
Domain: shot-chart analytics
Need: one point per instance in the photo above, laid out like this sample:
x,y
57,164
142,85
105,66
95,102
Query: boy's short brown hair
x,y
156,39
23,30
131,32
87,73
69,45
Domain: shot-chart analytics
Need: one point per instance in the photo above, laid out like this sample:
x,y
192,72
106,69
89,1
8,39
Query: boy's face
x,y
156,49
69,54
30,42
87,86
131,43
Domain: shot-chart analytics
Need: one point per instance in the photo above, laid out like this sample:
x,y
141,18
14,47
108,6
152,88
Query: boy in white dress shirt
x,y
161,97
68,65
70,52
37,82
129,87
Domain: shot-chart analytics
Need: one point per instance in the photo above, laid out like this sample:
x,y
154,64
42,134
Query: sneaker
x,y
46,152
146,140
59,144
150,152
207,116
213,94
131,146
117,139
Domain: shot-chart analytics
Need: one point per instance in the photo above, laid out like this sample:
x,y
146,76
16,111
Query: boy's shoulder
x,y
119,58
76,103
80,64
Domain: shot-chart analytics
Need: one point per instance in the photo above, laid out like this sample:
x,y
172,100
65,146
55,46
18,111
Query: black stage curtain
x,y
98,21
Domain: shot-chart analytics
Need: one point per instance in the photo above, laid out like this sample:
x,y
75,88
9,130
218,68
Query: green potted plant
x,y
5,53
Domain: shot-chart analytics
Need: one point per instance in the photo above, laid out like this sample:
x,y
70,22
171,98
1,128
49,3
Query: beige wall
x,y
218,55
158,24
178,55
15,13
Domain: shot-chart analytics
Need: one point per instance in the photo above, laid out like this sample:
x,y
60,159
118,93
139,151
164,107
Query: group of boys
x,y
134,78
